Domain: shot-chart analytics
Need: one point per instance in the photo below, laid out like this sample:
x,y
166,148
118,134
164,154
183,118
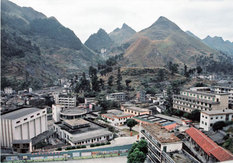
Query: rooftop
x,y
218,112
154,119
76,122
19,113
160,134
73,111
208,145
118,93
138,109
205,93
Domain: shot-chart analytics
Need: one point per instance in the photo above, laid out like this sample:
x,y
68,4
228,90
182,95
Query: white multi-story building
x,y
8,90
208,118
116,117
200,98
220,89
120,96
65,100
20,126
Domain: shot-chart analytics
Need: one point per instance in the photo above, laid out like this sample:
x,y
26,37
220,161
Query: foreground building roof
x,y
208,145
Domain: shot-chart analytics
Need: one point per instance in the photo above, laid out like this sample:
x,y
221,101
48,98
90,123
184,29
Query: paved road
x,y
122,159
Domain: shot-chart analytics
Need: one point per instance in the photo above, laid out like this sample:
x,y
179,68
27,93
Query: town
x,y
63,123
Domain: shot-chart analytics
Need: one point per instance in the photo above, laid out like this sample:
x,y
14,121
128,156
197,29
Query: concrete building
x,y
208,118
21,126
153,119
120,96
81,132
116,117
59,112
160,143
8,90
135,110
200,98
204,148
65,100
141,96
220,89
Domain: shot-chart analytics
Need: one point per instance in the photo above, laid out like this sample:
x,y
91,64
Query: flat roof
x,y
73,111
160,134
138,109
19,113
218,112
205,93
75,122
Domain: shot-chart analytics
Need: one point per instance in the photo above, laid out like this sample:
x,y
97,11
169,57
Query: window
x,y
211,118
216,117
18,122
43,111
25,119
32,116
38,113
202,122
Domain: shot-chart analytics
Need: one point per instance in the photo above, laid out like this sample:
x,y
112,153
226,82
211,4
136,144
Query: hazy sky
x,y
84,17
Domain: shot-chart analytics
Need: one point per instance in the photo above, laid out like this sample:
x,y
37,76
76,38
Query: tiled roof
x,y
208,145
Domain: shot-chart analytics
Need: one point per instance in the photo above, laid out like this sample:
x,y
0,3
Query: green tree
x,y
127,82
131,123
110,81
94,78
218,125
119,78
101,82
199,69
195,115
161,75
173,67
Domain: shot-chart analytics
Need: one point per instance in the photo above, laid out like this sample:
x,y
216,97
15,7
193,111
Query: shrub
x,y
98,144
102,143
83,146
92,145
59,149
108,142
77,147
73,147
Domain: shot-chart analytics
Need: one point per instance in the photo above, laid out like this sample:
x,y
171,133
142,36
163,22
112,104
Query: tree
x,y
136,156
138,152
119,78
94,78
173,67
127,82
161,75
218,125
101,82
110,81
186,74
199,69
131,123
195,115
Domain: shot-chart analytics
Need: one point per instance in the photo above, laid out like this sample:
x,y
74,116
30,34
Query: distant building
x,y
160,143
200,98
19,127
135,110
208,118
81,132
65,100
206,149
8,90
153,119
120,96
220,89
116,117
141,96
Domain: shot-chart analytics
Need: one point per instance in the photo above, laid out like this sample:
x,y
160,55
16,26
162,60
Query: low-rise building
x,y
160,143
206,149
120,96
8,90
19,127
65,100
116,117
153,119
135,110
200,99
81,132
208,118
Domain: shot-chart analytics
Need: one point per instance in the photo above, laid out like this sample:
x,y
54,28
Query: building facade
x,y
208,118
135,110
219,89
160,143
200,99
65,100
21,126
120,96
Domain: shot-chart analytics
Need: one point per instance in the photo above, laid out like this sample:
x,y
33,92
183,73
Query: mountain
x,y
162,42
120,35
191,34
99,40
219,44
36,50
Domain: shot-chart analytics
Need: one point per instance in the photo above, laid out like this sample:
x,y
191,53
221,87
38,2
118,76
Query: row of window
x,y
196,95
31,117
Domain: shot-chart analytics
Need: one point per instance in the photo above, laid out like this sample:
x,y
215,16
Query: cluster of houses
x,y
170,138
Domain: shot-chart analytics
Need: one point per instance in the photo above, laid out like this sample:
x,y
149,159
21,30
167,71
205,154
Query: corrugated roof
x,y
19,113
208,145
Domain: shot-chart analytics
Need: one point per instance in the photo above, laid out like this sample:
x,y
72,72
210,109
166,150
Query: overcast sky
x,y
84,17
